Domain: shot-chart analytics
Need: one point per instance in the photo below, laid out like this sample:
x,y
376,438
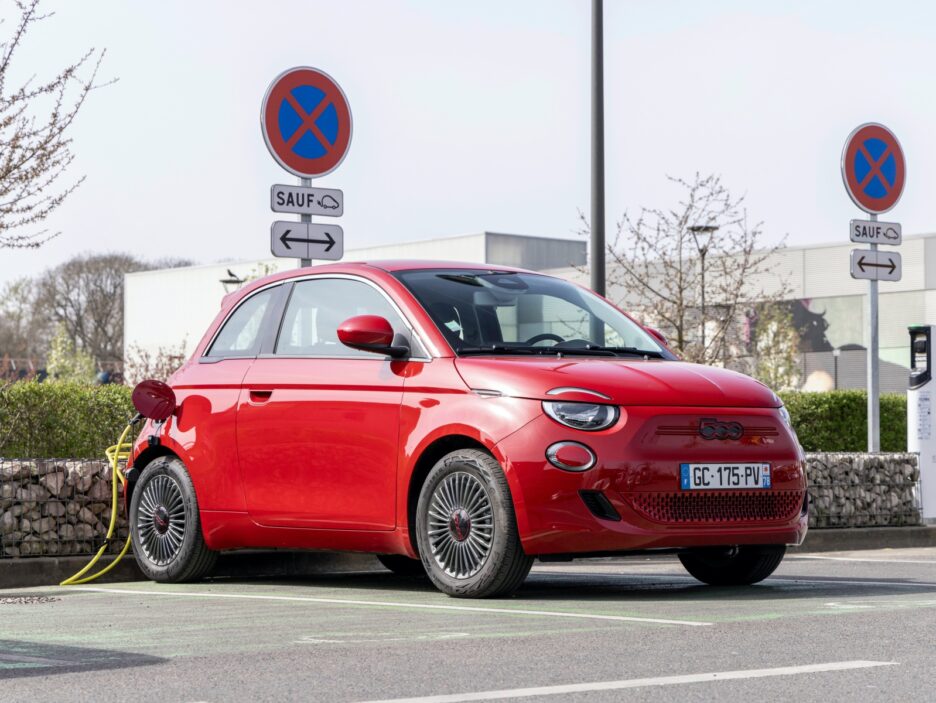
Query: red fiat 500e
x,y
461,420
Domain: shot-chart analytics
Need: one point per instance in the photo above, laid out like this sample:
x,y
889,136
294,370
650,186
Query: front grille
x,y
726,507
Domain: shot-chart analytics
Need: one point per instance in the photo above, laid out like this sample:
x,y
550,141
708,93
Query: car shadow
x,y
582,586
21,658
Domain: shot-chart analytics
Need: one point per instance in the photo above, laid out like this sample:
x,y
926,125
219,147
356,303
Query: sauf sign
x,y
874,172
306,123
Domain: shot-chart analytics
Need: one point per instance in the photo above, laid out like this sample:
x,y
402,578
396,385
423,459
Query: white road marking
x,y
638,683
832,581
869,561
393,604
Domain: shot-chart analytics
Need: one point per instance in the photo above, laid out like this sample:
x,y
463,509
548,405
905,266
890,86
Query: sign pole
x,y
874,385
307,183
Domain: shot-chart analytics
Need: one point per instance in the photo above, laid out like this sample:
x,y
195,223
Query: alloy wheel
x,y
161,520
461,525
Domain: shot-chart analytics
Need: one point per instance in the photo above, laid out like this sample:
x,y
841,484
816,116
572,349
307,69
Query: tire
x,y
402,565
164,524
733,566
474,548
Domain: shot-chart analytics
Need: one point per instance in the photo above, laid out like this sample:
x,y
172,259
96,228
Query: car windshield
x,y
482,312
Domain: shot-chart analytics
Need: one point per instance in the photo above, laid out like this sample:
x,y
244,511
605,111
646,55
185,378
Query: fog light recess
x,y
570,456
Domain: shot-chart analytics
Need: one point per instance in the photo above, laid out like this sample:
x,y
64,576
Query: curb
x,y
51,571
857,538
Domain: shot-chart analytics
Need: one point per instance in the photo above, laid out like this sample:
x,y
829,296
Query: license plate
x,y
723,476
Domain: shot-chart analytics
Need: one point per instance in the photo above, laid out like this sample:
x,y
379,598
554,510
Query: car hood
x,y
625,381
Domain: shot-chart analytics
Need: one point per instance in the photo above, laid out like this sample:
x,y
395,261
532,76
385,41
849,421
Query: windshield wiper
x,y
495,349
634,351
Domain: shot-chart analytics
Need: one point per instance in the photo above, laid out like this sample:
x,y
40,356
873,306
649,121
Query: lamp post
x,y
706,232
835,358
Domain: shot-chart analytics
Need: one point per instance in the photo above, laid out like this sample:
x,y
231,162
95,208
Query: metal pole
x,y
702,253
597,158
874,386
306,182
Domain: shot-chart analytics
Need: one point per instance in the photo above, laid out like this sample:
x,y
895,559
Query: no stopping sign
x,y
306,122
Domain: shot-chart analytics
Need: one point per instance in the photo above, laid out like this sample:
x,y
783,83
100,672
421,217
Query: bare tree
x,y
35,146
141,364
774,346
24,330
694,270
85,296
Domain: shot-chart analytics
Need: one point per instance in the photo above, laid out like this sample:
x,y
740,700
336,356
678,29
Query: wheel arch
x,y
427,459
142,460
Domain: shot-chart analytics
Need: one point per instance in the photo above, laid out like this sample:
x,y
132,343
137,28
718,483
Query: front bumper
x,y
636,473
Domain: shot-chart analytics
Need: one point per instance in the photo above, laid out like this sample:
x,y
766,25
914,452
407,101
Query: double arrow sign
x,y
876,265
306,240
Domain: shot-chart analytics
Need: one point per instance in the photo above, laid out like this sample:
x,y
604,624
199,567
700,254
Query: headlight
x,y
582,416
785,415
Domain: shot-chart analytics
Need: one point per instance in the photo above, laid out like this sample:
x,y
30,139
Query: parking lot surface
x,y
857,626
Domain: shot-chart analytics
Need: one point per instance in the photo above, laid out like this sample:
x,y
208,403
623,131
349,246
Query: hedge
x,y
71,420
836,421
56,420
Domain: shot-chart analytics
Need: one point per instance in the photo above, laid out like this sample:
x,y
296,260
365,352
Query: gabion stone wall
x,y
863,490
62,507
56,507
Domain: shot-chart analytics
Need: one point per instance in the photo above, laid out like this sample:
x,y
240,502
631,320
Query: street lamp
x,y
835,359
706,232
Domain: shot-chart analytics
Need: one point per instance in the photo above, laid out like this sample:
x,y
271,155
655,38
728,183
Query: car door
x,y
318,422
207,394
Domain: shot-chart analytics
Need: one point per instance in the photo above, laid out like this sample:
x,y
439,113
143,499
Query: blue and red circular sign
x,y
873,168
306,122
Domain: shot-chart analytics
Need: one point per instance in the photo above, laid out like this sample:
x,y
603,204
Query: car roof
x,y
389,266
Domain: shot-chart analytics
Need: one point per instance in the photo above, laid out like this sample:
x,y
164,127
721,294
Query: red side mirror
x,y
657,335
369,333
154,400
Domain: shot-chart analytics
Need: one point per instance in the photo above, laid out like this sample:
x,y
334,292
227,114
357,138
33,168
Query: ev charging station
x,y
921,432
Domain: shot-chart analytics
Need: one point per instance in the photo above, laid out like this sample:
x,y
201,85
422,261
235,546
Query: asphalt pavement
x,y
856,626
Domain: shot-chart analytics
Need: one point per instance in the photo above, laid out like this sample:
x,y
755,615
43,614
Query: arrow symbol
x,y
329,241
890,265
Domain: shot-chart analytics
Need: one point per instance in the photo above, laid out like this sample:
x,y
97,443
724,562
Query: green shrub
x,y
836,421
57,420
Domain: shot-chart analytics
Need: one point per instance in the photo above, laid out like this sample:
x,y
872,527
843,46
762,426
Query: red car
x,y
461,420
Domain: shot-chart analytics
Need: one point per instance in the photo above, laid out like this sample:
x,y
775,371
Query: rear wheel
x,y
466,529
164,524
733,566
402,565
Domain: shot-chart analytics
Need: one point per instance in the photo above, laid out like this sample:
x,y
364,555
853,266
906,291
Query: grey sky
x,y
474,115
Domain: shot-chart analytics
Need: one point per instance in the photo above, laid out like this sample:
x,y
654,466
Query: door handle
x,y
260,397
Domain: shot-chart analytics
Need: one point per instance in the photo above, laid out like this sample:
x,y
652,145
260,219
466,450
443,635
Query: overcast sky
x,y
475,115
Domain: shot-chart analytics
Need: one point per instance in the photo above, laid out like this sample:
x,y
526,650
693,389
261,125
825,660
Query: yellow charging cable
x,y
119,451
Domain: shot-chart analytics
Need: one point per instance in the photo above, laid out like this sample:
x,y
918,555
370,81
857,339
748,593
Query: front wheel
x,y
466,530
164,524
733,566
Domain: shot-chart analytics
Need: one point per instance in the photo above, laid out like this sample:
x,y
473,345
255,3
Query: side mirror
x,y
154,400
370,333
658,336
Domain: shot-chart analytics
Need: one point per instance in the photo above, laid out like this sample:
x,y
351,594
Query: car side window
x,y
241,331
318,306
